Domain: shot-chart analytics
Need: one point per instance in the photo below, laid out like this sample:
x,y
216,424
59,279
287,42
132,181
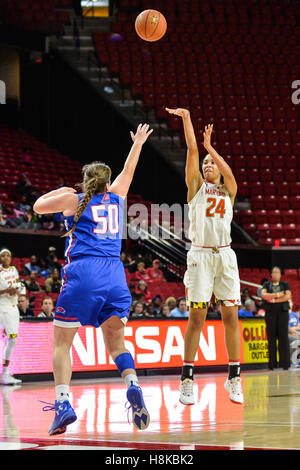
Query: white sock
x,y
5,370
131,378
62,392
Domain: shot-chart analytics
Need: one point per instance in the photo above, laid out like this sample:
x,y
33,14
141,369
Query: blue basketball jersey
x,y
99,229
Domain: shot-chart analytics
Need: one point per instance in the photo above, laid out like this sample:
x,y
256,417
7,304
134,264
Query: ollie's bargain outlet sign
x,y
153,344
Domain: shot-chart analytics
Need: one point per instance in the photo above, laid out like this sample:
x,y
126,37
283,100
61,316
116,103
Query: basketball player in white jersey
x,y
211,263
10,287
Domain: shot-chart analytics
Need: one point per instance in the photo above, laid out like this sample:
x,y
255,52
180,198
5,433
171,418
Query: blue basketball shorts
x,y
93,289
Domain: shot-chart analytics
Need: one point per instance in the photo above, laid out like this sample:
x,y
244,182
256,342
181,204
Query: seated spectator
x,y
171,302
44,271
47,308
157,304
131,288
155,272
245,295
53,283
52,260
24,307
248,309
181,311
294,335
138,309
22,206
32,266
130,263
31,284
25,188
149,311
141,273
142,288
27,221
2,219
165,312
48,222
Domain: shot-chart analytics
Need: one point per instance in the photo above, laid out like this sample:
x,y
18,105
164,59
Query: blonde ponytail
x,y
96,175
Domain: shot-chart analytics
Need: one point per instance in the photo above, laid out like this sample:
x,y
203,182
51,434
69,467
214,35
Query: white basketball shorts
x,y
209,272
9,320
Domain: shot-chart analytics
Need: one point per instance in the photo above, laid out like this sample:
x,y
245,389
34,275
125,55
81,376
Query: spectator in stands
x,y
245,295
32,266
48,222
171,302
294,335
181,311
24,307
27,221
130,264
22,206
141,273
2,219
276,295
155,272
157,304
52,260
142,288
131,288
25,188
165,312
149,312
31,284
138,309
248,309
53,283
47,308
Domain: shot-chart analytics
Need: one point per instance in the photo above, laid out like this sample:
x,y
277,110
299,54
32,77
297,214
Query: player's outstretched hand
x,y
142,133
184,113
207,135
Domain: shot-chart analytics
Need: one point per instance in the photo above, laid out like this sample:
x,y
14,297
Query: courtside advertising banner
x,y
153,344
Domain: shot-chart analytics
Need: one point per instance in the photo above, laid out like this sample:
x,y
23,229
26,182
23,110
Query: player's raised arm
x,y
193,177
60,200
121,184
224,168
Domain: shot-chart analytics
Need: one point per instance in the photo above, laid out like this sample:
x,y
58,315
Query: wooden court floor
x,y
269,418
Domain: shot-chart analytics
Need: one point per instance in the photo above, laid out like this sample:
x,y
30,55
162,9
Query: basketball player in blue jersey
x,y
94,290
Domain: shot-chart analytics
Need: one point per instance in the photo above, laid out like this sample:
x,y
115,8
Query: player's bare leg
x,y
232,342
62,366
62,371
196,322
113,335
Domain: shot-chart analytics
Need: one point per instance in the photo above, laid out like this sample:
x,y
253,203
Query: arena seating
x,y
231,63
47,165
33,15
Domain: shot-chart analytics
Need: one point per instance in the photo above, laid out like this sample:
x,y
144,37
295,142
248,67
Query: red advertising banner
x,y
153,344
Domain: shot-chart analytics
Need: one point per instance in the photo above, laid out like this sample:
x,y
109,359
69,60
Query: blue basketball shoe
x,y
64,415
140,415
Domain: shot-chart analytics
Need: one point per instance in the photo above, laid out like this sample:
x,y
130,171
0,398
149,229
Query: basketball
x,y
151,25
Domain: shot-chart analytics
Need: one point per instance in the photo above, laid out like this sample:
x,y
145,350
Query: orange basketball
x,y
151,25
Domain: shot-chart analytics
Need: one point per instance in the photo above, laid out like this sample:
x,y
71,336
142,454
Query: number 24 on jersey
x,y
213,208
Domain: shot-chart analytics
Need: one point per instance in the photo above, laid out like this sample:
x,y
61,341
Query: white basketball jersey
x,y
8,278
210,215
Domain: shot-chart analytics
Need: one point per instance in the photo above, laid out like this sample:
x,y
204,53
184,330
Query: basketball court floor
x,y
269,418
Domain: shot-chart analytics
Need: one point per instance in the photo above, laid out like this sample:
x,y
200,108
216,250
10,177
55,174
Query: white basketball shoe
x,y
187,392
234,387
